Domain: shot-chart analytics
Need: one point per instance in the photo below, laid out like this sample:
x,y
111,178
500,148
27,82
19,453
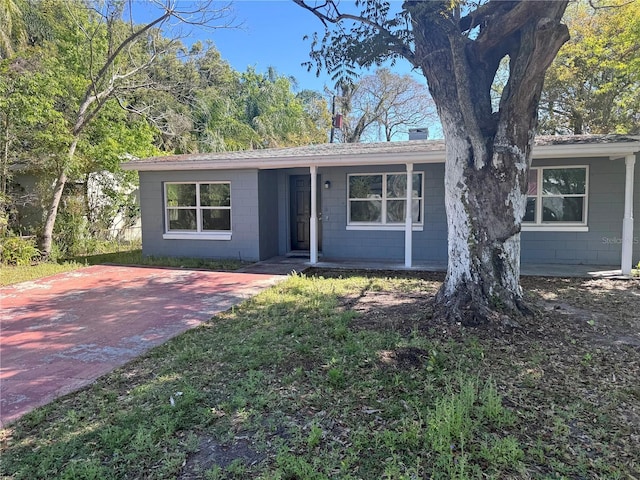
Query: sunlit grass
x,y
23,273
10,274
289,385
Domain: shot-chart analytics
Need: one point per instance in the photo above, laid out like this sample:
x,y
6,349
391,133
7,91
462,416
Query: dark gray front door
x,y
301,212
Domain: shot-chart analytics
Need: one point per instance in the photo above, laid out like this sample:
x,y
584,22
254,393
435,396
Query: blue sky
x,y
271,33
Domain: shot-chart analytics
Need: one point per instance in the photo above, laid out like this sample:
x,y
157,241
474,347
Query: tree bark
x,y
488,153
488,150
46,241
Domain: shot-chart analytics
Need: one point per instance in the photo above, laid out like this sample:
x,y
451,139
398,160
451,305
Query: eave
x,y
394,153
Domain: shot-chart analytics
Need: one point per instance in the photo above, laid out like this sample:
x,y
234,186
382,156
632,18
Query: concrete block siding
x,y
340,243
260,217
244,243
601,245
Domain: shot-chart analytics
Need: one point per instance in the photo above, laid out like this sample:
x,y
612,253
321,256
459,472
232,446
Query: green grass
x,y
294,384
15,274
10,274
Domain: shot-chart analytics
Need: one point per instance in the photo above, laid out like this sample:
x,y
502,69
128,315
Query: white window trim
x,y
538,225
198,234
372,226
387,227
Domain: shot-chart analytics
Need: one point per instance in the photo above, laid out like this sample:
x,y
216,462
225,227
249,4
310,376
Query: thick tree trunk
x,y
484,211
488,149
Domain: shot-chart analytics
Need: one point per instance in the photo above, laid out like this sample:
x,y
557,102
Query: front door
x,y
301,212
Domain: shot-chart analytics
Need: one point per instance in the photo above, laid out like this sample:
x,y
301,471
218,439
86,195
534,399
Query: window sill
x,y
393,228
197,236
554,228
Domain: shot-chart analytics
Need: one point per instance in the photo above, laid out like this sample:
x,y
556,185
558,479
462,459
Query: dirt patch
x,y
398,311
211,453
407,357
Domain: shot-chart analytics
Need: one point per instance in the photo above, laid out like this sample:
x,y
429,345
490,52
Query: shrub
x,y
18,250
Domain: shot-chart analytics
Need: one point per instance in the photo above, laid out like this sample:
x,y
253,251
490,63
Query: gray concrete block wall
x,y
268,215
636,212
600,245
340,243
244,243
260,218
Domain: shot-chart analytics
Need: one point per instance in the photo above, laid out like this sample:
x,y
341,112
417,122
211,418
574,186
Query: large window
x,y
557,196
203,208
381,198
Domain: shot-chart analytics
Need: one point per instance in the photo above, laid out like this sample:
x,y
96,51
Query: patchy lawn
x,y
349,377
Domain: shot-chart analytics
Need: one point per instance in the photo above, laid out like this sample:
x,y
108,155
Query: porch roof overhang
x,y
384,153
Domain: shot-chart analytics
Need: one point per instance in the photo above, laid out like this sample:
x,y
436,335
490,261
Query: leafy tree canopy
x,y
98,87
593,86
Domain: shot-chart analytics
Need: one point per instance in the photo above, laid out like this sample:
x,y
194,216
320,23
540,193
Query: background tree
x,y
273,111
33,133
13,30
73,106
110,62
459,46
593,85
378,106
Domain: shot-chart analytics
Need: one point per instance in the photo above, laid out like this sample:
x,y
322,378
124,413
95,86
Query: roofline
x,y
611,150
302,161
581,150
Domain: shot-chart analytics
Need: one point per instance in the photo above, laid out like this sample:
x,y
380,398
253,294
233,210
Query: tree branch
x,y
394,44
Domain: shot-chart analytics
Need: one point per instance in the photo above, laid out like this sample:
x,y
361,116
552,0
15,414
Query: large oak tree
x,y
458,45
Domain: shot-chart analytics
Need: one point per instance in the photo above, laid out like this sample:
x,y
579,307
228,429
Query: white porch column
x,y
313,227
627,221
408,226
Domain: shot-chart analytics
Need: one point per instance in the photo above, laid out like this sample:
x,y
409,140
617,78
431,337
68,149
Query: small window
x,y
557,196
380,199
198,207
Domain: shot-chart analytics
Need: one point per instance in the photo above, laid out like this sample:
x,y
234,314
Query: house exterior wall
x,y
601,245
245,241
636,213
430,244
28,211
261,217
268,213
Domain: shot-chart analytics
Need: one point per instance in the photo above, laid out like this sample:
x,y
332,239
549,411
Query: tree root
x,y
471,309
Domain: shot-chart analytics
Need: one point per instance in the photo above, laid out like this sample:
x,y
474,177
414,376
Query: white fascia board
x,y
293,162
587,150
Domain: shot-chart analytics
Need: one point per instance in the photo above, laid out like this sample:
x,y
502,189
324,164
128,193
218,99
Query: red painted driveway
x,y
60,333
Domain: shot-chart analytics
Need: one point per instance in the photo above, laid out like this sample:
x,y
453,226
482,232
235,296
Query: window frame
x,y
539,224
384,198
198,233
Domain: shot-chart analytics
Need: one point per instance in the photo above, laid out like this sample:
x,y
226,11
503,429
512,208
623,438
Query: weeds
x,y
294,385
